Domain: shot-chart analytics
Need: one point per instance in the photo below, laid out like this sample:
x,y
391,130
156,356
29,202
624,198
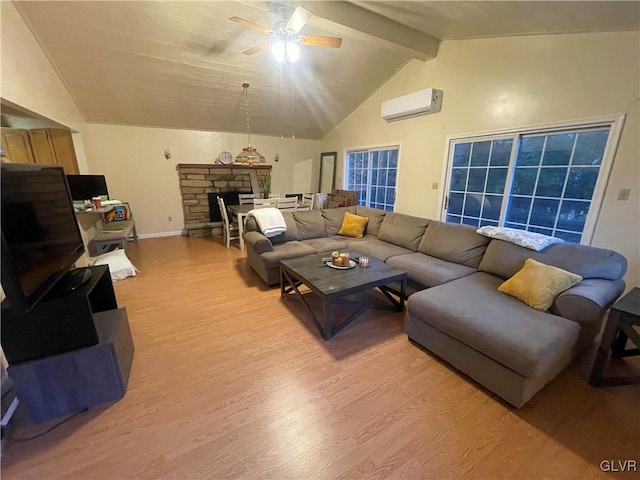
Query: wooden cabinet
x,y
41,146
45,146
17,145
65,154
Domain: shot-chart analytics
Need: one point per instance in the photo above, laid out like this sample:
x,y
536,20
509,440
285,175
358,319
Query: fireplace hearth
x,y
197,181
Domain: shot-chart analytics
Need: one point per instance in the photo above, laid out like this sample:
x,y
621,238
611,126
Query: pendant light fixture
x,y
248,155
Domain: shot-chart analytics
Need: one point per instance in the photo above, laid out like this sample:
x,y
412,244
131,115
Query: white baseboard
x,y
160,234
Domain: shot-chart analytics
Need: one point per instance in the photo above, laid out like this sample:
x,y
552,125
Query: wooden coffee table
x,y
334,286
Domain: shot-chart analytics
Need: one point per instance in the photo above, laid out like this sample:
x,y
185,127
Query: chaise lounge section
x,y
456,311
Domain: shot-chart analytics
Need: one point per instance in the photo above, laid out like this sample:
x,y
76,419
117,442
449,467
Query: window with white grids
x,y
540,181
373,173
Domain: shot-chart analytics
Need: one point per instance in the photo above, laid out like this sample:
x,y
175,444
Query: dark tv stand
x,y
71,352
72,280
60,321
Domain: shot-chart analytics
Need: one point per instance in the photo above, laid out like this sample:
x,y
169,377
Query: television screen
x,y
85,187
40,236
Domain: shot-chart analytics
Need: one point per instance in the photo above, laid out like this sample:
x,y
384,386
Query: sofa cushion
x,y
290,234
350,241
455,243
378,249
324,244
429,271
504,259
403,230
353,225
286,250
538,285
333,218
472,311
310,224
375,217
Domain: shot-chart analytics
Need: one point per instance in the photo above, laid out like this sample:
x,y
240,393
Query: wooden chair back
x,y
264,203
246,198
307,200
287,204
229,231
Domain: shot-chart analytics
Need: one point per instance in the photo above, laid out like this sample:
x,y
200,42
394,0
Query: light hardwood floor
x,y
229,381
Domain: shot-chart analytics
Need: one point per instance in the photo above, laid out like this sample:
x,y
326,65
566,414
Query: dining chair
x,y
264,203
287,204
229,230
246,198
307,202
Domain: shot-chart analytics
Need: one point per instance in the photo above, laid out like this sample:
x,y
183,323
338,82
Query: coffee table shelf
x,y
334,286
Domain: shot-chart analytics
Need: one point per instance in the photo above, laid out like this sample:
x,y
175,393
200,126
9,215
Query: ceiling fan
x,y
286,34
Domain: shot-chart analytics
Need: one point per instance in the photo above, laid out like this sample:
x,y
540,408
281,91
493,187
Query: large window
x,y
542,181
372,173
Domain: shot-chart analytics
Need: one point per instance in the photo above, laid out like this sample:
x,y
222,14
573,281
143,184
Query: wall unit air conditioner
x,y
418,103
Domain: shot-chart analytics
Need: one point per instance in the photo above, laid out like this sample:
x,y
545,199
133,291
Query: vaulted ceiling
x,y
180,64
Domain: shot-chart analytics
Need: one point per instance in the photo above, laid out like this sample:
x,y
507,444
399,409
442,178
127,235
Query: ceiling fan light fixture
x,y
285,33
293,52
285,50
278,50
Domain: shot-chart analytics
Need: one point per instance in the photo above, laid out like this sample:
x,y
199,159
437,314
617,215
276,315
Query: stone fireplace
x,y
197,180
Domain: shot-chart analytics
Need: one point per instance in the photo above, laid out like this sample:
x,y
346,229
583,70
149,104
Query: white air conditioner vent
x,y
418,103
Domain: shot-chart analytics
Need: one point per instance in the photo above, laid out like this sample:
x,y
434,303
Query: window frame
x,y
614,122
369,149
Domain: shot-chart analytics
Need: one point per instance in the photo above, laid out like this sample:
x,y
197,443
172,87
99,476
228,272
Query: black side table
x,y
623,315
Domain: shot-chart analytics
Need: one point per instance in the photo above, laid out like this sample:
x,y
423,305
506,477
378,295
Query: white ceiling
x,y
179,64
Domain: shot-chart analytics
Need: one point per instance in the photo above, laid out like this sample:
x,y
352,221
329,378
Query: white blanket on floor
x,y
269,220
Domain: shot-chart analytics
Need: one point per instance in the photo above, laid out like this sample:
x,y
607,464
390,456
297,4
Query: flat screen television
x,y
85,187
41,240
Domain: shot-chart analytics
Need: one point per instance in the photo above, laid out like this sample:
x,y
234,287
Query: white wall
x,y
133,161
493,84
29,80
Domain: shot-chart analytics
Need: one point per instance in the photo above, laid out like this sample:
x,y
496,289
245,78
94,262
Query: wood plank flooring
x,y
229,381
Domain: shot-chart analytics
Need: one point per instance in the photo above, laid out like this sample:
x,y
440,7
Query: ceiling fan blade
x,y
298,20
315,41
248,24
257,49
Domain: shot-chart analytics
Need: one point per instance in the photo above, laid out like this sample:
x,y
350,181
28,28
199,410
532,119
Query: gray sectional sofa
x,y
455,310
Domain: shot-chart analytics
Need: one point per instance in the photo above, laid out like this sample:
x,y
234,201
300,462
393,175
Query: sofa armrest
x,y
258,242
587,302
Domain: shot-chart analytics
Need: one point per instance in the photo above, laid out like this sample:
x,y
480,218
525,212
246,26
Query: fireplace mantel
x,y
220,166
196,180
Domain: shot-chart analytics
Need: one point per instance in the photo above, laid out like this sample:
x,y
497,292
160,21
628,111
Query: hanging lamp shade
x,y
248,155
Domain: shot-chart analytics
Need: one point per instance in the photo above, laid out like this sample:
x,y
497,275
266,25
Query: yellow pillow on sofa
x,y
353,225
538,284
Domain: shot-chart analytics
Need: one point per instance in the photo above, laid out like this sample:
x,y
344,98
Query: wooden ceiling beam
x,y
331,15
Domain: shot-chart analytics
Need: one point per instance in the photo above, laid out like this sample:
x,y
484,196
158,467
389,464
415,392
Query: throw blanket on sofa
x,y
269,220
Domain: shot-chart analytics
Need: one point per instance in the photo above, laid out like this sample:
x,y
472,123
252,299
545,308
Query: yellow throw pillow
x,y
353,225
538,284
